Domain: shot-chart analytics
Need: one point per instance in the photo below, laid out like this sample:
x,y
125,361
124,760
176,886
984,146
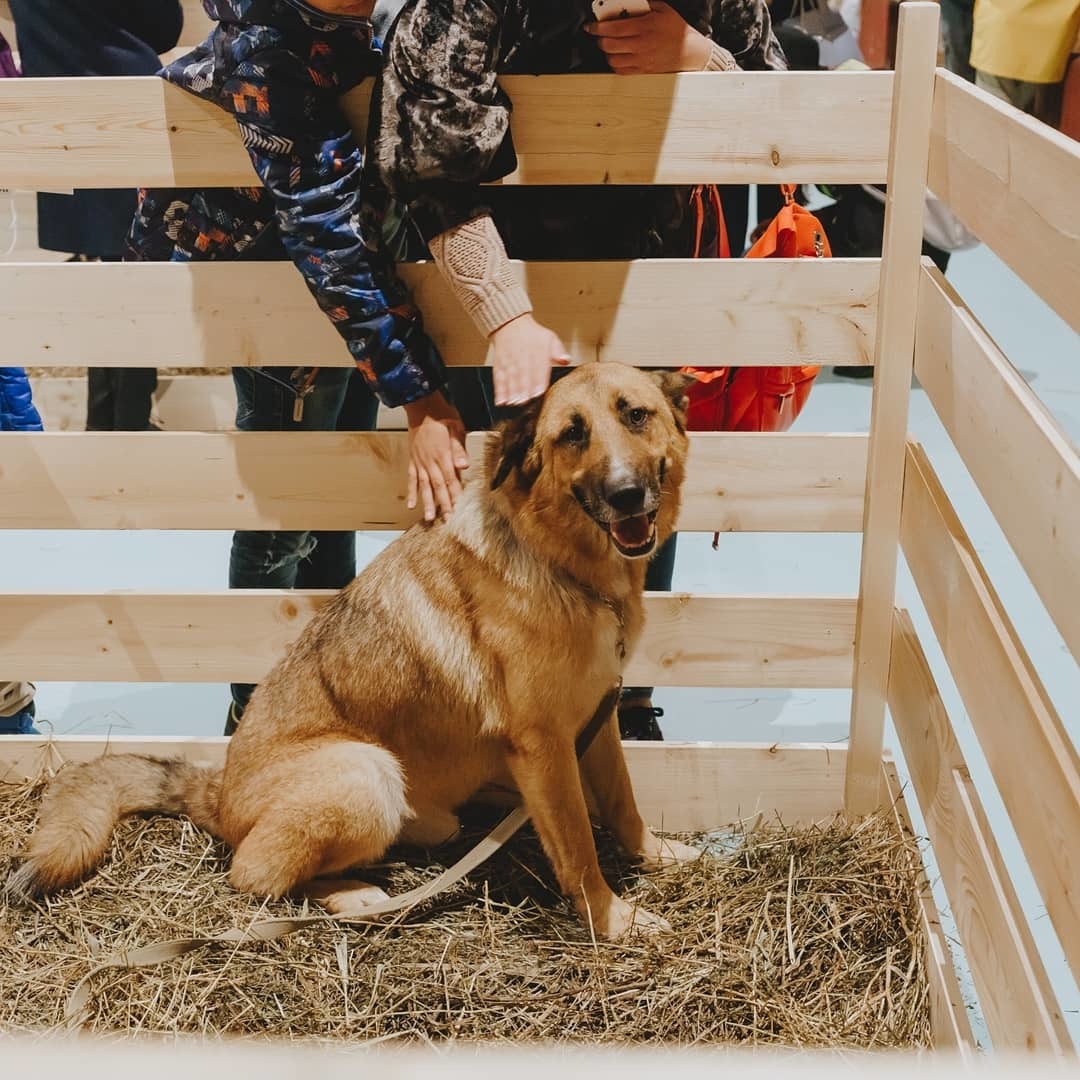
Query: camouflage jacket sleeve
x,y
441,124
283,89
744,28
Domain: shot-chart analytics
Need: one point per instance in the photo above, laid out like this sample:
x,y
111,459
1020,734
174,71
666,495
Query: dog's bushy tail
x,y
84,803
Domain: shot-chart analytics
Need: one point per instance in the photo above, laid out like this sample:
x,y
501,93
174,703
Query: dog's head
x,y
607,442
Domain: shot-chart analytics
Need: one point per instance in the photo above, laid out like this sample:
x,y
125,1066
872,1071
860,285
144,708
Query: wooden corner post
x,y
909,148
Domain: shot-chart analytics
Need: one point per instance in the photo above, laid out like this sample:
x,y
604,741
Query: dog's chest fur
x,y
579,626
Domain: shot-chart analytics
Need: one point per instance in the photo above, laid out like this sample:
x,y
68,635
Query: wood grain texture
x,y
690,640
1033,760
757,127
1015,996
330,480
202,402
1023,463
678,786
1012,181
661,313
910,129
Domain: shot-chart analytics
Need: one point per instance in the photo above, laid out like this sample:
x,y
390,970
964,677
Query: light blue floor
x,y
1046,351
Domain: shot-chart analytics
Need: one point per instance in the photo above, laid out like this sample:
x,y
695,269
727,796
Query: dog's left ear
x,y
675,386
517,448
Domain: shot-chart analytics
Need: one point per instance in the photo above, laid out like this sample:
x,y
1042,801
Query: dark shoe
x,y
232,721
854,372
637,723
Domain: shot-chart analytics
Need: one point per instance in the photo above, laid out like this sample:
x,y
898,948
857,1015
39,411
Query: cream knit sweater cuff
x,y
720,60
473,260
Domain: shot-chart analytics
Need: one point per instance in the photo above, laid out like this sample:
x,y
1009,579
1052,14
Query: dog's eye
x,y
637,417
575,434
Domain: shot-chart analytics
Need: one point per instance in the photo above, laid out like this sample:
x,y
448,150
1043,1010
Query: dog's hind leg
x,y
338,806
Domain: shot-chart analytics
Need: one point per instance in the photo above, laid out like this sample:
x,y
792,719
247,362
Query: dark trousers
x,y
119,399
339,400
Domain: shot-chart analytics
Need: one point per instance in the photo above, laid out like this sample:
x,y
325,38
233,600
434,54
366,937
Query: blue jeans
x,y
336,400
472,391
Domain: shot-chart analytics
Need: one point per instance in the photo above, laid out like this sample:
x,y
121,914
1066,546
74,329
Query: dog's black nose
x,y
627,498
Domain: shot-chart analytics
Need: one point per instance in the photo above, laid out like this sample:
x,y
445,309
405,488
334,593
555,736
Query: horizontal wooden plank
x,y
1033,760
202,402
218,1059
690,640
197,24
678,786
1023,463
757,127
330,480
662,312
1015,995
1013,181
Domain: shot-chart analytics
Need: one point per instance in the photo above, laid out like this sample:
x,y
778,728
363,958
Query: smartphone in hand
x,y
619,9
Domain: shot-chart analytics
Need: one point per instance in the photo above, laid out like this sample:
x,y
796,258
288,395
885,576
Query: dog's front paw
x,y
624,920
662,854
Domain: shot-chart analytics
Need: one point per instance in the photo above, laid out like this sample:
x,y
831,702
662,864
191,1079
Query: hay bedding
x,y
805,938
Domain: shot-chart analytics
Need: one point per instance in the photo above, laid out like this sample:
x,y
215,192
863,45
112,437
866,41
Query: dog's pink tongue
x,y
632,532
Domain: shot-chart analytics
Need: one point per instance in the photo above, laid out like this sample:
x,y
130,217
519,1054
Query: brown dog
x,y
466,651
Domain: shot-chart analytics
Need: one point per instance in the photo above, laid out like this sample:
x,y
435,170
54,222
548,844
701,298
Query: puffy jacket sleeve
x,y
329,215
744,28
441,124
17,412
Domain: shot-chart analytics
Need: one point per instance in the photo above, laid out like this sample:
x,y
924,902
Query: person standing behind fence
x,y
97,37
280,67
17,413
441,128
1020,49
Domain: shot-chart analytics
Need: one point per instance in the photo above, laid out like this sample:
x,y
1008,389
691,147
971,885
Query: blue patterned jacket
x,y
279,67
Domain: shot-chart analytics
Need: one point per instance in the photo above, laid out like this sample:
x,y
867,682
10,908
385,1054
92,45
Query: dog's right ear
x,y
676,387
516,450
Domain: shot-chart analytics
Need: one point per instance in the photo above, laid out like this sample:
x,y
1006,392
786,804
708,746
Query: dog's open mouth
x,y
634,536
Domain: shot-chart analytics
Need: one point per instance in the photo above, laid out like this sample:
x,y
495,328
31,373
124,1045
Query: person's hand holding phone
x,y
655,42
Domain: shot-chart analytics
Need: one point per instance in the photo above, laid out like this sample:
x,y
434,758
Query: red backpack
x,y
754,398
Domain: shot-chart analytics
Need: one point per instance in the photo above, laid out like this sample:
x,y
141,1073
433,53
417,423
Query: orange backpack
x,y
756,398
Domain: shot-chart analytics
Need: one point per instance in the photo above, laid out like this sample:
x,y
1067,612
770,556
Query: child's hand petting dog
x,y
524,353
437,455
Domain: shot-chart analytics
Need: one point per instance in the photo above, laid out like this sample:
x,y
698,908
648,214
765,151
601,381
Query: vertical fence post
x,y
909,148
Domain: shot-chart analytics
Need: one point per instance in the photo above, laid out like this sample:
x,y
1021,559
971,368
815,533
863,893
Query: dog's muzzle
x,y
627,513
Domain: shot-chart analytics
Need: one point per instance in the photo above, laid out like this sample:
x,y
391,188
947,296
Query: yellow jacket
x,y
1028,40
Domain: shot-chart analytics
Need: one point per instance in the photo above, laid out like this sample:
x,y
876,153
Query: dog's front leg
x,y
603,769
545,769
